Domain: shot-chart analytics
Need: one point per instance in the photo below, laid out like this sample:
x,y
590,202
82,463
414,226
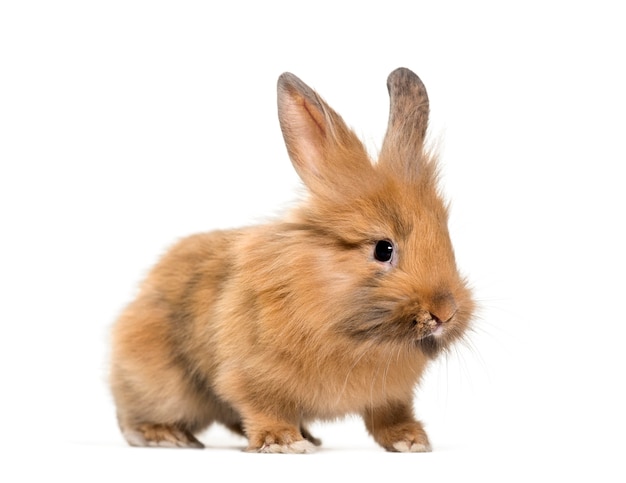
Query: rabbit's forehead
x,y
409,229
408,209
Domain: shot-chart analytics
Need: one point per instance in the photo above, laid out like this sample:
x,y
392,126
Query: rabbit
x,y
334,309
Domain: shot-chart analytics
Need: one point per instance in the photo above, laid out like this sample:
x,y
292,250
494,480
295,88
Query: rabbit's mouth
x,y
433,334
430,326
438,330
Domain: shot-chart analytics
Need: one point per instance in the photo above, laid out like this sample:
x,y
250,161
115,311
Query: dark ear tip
x,y
291,87
402,79
290,82
286,81
286,78
402,71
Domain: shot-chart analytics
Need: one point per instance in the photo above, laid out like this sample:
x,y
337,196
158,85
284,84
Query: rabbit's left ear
x,y
408,120
326,153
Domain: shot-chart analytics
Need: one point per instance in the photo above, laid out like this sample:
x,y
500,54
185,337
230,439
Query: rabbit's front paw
x,y
409,438
285,440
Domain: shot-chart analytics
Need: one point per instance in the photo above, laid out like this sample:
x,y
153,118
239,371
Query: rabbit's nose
x,y
443,308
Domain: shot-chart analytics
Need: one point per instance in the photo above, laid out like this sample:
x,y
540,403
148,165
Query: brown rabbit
x,y
335,309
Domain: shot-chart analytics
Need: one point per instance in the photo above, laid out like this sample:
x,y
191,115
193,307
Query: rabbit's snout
x,y
432,320
443,308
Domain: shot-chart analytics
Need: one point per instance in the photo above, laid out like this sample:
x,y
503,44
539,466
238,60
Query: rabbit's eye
x,y
383,250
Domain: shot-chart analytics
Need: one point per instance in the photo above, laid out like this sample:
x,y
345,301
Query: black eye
x,y
383,250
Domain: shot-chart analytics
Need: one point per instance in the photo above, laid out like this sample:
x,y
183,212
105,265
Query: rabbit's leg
x,y
395,428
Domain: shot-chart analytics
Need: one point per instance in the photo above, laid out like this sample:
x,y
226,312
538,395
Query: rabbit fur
x,y
268,328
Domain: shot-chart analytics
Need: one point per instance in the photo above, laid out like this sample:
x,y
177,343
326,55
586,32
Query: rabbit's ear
x,y
408,121
324,151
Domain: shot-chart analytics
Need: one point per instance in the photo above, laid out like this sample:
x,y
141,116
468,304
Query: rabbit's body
x,y
267,328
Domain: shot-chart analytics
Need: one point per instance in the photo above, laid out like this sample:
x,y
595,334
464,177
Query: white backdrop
x,y
125,125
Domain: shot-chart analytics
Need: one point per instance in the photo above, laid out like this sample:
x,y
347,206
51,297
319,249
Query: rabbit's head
x,y
378,230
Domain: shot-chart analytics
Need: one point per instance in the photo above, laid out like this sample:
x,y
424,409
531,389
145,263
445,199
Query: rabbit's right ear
x,y
408,122
326,154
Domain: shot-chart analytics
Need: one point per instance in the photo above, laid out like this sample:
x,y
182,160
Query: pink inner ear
x,y
324,151
317,117
304,127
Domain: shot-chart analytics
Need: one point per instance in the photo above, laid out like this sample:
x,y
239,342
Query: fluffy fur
x,y
267,328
